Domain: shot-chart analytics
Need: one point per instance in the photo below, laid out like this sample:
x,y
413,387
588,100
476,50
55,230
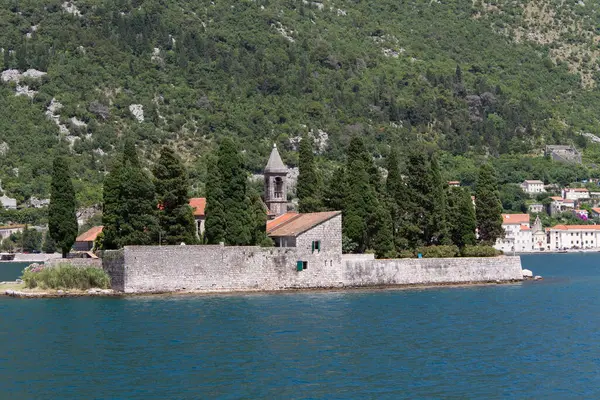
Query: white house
x,y
576,193
533,186
574,236
8,202
517,234
536,208
7,230
560,205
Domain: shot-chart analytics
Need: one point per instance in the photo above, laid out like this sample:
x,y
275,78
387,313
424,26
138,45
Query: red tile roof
x,y
577,190
299,223
596,210
90,235
557,198
283,218
525,228
509,219
575,227
198,204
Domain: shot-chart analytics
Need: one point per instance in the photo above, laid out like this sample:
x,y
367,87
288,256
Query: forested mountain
x,y
471,78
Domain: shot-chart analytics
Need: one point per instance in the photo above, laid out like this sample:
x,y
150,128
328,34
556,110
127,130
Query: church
x,y
276,184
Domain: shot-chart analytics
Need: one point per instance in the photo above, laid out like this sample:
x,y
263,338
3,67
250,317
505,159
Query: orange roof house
x,y
85,241
515,219
198,204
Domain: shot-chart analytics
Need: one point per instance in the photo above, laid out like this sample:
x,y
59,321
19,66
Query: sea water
x,y
527,340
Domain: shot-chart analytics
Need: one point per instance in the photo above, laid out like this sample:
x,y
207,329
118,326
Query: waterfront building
x,y
517,234
533,186
574,237
308,231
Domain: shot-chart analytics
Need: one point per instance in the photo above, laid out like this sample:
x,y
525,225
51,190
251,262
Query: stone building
x,y
85,241
276,184
567,154
533,186
198,205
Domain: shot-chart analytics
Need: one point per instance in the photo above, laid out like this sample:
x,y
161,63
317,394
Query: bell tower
x,y
276,184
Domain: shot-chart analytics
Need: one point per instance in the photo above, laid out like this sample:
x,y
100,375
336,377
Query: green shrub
x,y
406,254
480,251
65,276
438,251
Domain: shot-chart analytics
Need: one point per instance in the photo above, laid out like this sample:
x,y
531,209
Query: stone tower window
x,y
278,192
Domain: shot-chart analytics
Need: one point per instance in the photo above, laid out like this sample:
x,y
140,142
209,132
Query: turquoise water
x,y
530,340
9,271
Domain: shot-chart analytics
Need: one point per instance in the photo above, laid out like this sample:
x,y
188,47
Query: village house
x,y
8,202
198,205
454,183
596,212
536,208
85,241
7,230
574,237
576,194
38,203
517,234
560,205
583,214
533,186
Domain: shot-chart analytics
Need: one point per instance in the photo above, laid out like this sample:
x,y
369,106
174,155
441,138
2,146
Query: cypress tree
x,y
334,193
112,207
417,203
48,247
138,221
461,217
396,199
437,232
233,182
175,215
62,220
214,226
488,208
308,187
258,213
382,237
359,196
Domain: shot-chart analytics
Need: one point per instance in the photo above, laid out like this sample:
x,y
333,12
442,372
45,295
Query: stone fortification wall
x,y
432,271
77,262
218,268
139,269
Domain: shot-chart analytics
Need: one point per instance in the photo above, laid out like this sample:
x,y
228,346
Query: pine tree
x,y
488,208
461,217
214,226
62,220
308,187
175,215
233,182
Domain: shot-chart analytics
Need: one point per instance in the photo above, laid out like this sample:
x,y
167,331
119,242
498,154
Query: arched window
x,y
278,192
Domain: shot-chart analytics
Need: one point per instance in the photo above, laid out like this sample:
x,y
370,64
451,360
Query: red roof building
x,y
85,241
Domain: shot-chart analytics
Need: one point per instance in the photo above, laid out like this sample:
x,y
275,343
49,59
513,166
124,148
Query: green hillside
x,y
269,70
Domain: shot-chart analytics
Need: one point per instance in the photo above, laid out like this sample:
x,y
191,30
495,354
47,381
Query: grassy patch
x,y
65,276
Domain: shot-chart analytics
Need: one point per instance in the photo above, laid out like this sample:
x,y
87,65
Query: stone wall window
x,y
301,265
316,246
278,189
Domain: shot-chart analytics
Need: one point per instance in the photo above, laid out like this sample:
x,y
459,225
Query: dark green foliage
x,y
382,236
176,219
461,217
479,251
31,240
335,191
445,251
48,247
418,199
62,220
437,231
488,209
238,219
396,199
258,214
130,206
513,198
308,188
214,226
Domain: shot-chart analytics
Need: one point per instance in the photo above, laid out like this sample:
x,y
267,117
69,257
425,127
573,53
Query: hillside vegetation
x,y
471,78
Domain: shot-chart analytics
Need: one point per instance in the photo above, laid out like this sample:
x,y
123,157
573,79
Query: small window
x,y
301,265
304,264
316,245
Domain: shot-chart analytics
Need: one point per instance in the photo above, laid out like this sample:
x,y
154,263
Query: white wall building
x,y
574,236
536,208
8,202
517,234
576,193
560,205
533,186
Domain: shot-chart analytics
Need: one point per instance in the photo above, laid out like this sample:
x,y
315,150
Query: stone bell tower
x,y
276,184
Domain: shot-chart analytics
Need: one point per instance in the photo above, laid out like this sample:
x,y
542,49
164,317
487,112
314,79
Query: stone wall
x,y
144,269
77,262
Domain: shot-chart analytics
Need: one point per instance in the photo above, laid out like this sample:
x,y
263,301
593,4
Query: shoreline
x,y
25,294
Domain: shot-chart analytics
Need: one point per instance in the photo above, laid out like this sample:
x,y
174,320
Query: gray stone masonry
x,y
77,262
